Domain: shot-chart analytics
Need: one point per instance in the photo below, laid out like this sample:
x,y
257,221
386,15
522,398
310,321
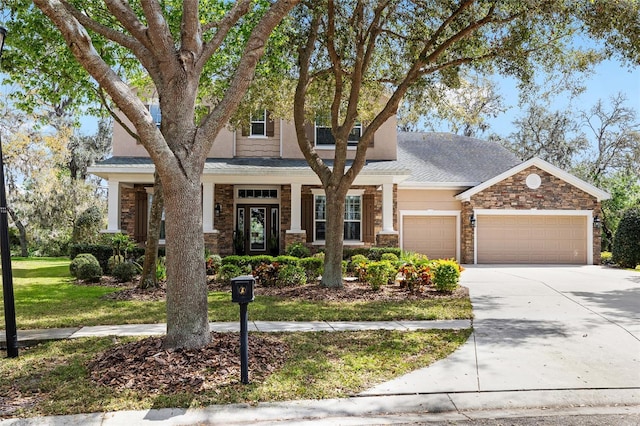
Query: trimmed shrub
x,y
606,258
376,253
101,252
298,250
213,264
229,271
358,266
266,274
124,272
291,275
240,261
79,260
287,260
349,252
313,267
380,273
446,274
626,241
113,262
86,268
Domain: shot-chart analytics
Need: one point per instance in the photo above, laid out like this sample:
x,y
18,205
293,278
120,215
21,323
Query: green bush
x,y
415,277
287,260
214,262
606,258
446,274
229,271
78,260
380,273
266,274
626,241
298,250
113,261
358,266
313,267
125,271
376,253
86,267
291,275
102,252
241,261
161,268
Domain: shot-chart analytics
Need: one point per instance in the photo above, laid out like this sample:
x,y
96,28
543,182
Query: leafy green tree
x,y
626,243
553,136
186,49
358,59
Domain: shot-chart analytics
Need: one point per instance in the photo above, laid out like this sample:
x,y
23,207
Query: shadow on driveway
x,y
620,302
510,332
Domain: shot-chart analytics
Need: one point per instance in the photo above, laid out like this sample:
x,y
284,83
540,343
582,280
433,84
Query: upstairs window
x,y
258,125
324,137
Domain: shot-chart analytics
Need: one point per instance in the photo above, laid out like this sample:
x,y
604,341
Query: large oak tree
x,y
175,42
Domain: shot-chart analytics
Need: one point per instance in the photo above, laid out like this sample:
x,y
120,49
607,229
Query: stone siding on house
x,y
513,193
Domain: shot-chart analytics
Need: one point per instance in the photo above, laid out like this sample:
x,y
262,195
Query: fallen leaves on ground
x,y
146,366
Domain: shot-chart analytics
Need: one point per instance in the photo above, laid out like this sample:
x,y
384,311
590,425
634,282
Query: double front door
x,y
257,229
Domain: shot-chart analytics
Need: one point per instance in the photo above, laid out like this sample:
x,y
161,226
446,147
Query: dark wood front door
x,y
257,229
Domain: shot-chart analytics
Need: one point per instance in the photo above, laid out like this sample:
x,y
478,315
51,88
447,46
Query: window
x,y
352,218
258,123
324,137
258,193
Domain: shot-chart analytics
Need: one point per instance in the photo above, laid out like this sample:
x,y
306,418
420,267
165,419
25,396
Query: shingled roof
x,y
424,159
445,158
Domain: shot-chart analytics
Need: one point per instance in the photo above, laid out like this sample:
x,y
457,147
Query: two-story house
x,y
443,195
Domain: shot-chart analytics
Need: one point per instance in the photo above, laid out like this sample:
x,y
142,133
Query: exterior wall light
x,y
472,221
218,209
597,223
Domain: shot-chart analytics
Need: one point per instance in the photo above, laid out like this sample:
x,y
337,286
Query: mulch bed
x,y
146,366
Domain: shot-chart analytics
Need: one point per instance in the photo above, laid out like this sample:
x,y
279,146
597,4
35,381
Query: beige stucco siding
x,y
423,199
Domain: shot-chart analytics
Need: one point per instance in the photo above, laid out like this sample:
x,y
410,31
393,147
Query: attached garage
x,y
434,236
545,239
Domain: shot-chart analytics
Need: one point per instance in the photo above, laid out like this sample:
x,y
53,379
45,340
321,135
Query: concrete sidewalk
x,y
30,337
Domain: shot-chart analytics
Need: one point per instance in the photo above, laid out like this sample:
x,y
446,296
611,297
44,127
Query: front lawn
x,y
47,297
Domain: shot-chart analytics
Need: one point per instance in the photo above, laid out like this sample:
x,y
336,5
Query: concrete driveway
x,y
541,328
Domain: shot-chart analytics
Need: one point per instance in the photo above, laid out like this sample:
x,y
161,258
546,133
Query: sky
x,y
609,79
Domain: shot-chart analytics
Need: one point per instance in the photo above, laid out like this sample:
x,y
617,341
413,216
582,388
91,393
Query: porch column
x,y
208,201
387,209
296,207
113,206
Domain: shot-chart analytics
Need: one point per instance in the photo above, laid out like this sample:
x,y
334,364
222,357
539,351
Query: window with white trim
x,y
324,137
258,125
352,217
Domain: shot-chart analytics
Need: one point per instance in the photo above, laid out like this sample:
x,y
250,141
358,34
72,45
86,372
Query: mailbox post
x,y
242,293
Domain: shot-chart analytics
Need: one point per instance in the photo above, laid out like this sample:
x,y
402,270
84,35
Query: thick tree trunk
x,y
187,308
149,278
332,275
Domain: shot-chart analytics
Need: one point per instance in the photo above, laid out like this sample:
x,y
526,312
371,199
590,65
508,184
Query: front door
x,y
257,229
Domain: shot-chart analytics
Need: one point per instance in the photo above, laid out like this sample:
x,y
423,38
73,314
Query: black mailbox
x,y
242,289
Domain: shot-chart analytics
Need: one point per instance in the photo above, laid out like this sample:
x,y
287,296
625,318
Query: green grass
x,y
52,378
46,297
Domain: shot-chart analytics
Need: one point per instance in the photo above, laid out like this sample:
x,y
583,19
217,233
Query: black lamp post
x,y
5,253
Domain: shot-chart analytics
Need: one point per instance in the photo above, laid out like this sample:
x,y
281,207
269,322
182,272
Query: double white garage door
x,y
543,239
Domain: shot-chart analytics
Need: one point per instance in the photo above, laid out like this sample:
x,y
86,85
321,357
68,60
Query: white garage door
x,y
532,239
434,236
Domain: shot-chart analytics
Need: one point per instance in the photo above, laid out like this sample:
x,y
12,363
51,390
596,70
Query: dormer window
x,y
324,137
258,123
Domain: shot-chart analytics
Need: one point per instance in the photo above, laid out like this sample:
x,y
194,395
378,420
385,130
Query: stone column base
x,y
388,240
292,237
211,242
